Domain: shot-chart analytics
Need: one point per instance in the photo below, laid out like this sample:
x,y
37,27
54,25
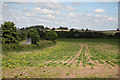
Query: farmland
x,y
73,58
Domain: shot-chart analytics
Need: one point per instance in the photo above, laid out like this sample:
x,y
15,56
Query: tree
x,y
82,29
22,34
86,29
22,28
63,28
39,26
53,29
117,35
9,33
71,33
51,35
117,29
33,34
41,33
46,28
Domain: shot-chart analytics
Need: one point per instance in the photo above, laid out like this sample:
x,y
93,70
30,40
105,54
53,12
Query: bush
x,y
33,34
6,48
51,35
9,33
22,35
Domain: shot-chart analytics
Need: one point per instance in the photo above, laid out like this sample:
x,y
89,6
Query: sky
x,y
91,15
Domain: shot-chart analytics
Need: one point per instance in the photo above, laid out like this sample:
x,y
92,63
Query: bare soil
x,y
99,70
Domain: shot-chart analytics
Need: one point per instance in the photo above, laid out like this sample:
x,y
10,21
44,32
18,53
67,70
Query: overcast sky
x,y
91,15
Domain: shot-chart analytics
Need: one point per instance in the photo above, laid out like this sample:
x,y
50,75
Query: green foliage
x,y
71,33
51,35
65,49
53,29
22,35
9,33
82,29
41,33
33,34
117,35
35,27
6,48
117,29
63,28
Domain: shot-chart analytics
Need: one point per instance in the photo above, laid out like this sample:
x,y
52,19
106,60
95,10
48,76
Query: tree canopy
x,y
9,33
51,35
33,34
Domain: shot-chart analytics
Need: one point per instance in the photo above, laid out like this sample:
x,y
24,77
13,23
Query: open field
x,y
69,58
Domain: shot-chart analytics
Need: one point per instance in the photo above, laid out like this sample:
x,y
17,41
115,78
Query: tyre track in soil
x,y
68,60
105,63
109,60
89,55
103,50
77,55
80,52
80,64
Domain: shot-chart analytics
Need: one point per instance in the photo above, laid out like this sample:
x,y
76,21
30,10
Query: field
x,y
69,58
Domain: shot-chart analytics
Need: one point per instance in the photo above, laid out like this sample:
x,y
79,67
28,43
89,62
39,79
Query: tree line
x,y
10,34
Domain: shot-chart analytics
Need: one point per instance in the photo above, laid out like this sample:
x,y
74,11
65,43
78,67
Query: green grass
x,y
36,58
64,49
10,48
99,49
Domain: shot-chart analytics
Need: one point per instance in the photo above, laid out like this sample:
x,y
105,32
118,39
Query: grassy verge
x,y
7,48
22,41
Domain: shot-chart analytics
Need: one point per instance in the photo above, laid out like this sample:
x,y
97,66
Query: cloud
x,y
40,11
51,15
5,5
96,20
54,6
100,16
30,14
110,18
24,8
99,11
48,16
0,9
43,10
60,0
72,15
76,3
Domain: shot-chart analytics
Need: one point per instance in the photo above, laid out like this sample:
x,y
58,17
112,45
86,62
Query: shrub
x,y
51,35
6,48
33,34
9,33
